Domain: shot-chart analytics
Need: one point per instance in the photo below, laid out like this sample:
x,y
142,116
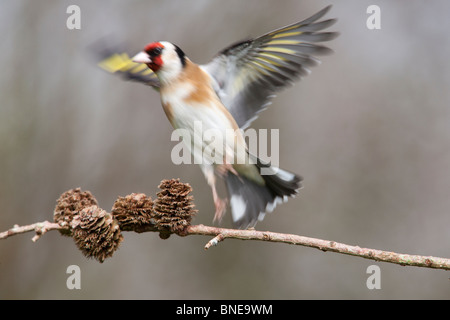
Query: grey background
x,y
369,130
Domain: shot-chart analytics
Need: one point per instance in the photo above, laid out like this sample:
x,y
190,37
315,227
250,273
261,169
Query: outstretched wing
x,y
248,73
121,64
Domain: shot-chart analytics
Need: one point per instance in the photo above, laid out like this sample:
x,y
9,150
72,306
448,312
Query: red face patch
x,y
154,51
152,46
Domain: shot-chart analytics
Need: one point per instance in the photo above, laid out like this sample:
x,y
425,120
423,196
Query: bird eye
x,y
155,52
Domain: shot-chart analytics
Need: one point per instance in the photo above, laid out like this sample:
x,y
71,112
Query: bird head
x,y
164,58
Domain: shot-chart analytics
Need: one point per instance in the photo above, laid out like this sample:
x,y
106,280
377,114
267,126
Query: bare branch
x,y
324,245
39,227
97,233
220,234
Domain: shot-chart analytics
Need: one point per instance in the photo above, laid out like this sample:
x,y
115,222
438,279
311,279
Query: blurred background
x,y
369,130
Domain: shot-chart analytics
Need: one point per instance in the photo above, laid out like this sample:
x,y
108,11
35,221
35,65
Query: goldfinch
x,y
227,94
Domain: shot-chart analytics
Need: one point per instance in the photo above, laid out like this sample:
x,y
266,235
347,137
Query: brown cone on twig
x,y
69,204
96,233
173,210
133,212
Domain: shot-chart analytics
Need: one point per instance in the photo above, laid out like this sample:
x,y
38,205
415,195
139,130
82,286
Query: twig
x,y
324,245
39,227
221,234
214,241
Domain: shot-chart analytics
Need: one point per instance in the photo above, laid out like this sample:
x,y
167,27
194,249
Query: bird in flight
x,y
227,94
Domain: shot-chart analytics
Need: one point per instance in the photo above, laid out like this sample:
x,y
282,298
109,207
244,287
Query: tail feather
x,y
281,182
250,201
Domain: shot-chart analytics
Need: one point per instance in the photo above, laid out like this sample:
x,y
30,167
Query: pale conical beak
x,y
142,57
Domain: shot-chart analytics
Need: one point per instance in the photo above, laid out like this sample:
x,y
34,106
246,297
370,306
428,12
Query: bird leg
x,y
219,203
